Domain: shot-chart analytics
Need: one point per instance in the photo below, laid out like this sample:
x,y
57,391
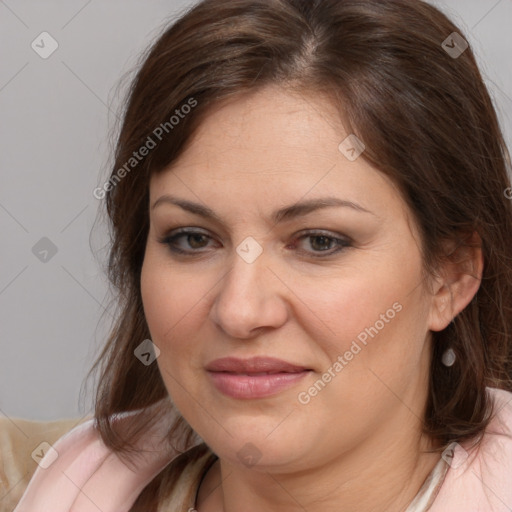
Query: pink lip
x,y
257,377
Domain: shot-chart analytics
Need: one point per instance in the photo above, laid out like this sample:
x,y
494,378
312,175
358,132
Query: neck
x,y
377,476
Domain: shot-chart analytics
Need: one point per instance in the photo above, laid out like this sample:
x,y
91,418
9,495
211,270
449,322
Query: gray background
x,y
57,116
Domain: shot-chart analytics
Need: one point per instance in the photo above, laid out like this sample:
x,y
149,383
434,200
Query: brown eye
x,y
186,241
196,241
322,244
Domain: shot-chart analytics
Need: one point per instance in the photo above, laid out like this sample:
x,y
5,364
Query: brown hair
x,y
427,122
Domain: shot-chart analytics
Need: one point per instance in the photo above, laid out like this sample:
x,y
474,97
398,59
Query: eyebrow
x,y
283,214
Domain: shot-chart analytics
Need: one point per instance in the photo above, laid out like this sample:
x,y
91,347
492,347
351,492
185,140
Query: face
x,y
322,307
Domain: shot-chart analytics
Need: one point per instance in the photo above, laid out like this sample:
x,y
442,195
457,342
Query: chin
x,y
255,448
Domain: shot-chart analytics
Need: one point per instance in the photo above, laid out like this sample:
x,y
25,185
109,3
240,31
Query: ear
x,y
458,281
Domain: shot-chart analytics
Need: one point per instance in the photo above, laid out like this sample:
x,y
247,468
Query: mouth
x,y
255,365
258,377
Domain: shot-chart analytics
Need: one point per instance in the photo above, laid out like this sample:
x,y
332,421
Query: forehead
x,y
272,145
272,119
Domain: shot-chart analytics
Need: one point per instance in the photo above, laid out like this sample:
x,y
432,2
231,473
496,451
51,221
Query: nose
x,y
250,297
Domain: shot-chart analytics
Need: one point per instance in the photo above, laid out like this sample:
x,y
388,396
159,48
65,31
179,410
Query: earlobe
x,y
458,283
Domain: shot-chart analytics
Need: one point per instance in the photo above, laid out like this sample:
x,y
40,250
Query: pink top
x,y
87,477
481,480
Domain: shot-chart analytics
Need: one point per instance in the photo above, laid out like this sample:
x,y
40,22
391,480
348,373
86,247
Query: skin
x,y
358,442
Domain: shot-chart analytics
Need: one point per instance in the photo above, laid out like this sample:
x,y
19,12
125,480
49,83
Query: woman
x,y
311,242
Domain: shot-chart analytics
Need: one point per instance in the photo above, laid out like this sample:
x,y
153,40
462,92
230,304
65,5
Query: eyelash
x,y
342,243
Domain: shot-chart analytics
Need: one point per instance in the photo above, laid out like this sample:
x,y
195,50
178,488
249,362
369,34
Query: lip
x,y
257,377
258,364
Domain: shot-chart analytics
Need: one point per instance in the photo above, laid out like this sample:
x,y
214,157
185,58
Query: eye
x,y
323,243
189,242
191,238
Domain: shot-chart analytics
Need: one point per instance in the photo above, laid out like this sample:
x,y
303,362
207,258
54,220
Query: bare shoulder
x,y
23,444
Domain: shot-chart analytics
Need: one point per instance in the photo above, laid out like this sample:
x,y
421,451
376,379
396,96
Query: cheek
x,y
375,315
165,309
168,296
174,307
157,299
348,305
373,327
